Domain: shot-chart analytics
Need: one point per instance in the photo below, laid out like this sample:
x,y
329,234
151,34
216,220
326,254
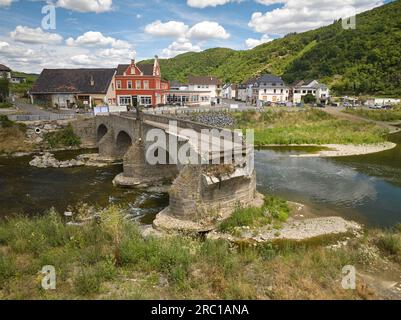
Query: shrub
x,y
87,282
390,243
62,138
5,122
5,105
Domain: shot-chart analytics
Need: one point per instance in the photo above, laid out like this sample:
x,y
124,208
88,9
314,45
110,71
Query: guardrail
x,y
48,117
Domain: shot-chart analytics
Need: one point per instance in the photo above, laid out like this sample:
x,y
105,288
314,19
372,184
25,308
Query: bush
x,y
5,105
87,282
62,138
5,122
390,243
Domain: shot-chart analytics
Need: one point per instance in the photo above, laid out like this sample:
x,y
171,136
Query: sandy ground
x,y
343,150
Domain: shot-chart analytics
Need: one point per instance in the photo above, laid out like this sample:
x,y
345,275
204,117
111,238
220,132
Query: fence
x,y
47,117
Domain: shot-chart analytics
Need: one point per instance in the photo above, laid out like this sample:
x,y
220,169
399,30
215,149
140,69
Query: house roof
x,y
4,68
204,80
146,69
269,78
73,81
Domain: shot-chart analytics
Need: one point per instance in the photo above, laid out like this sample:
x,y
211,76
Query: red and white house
x,y
140,85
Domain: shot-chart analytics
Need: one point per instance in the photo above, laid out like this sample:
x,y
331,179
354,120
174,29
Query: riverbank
x,y
110,259
344,150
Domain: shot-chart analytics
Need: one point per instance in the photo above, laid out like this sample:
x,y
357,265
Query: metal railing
x,y
47,117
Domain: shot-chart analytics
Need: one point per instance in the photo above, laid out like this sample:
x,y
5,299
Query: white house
x,y
270,88
304,87
17,80
206,83
180,94
5,72
229,91
242,92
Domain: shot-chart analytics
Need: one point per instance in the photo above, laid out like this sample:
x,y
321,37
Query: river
x,y
364,188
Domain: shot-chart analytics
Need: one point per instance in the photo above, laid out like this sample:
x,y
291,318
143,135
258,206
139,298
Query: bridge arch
x,y
101,132
123,143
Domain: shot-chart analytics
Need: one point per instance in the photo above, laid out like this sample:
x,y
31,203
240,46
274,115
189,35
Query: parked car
x,y
375,107
387,107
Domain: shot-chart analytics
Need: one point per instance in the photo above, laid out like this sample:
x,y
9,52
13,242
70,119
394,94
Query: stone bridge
x,y
206,187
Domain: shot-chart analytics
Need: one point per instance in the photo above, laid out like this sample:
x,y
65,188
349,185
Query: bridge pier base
x,y
199,200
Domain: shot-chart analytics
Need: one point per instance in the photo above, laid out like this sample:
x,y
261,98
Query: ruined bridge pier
x,y
200,195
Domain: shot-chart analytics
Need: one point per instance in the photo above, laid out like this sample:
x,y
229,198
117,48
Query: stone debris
x,y
215,119
47,160
295,230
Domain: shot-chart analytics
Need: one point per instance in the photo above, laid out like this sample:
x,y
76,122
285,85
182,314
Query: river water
x,y
364,188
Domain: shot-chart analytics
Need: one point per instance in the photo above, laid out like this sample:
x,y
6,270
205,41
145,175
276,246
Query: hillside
x,y
366,60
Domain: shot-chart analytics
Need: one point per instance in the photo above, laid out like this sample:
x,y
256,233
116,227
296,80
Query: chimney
x,y
132,61
92,81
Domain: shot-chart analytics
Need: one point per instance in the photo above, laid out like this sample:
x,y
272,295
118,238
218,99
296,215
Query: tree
x,y
4,89
309,98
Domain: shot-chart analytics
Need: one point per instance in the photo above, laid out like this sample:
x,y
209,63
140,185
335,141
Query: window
x,y
146,101
129,84
195,98
275,90
118,84
265,90
303,91
297,91
146,84
132,70
125,101
282,91
138,84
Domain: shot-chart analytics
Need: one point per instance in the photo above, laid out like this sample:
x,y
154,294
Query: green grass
x,y
390,243
377,115
273,210
309,126
62,138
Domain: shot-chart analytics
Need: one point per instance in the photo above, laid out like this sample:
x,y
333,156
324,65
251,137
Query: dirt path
x,y
337,112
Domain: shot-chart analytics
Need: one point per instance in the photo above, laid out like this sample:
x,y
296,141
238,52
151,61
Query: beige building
x,y
67,88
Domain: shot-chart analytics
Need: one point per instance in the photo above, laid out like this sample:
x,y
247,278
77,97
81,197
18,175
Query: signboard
x,y
234,106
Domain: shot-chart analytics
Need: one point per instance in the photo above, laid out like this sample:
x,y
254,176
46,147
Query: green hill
x,y
366,60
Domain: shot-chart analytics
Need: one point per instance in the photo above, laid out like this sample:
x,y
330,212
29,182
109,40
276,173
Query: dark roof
x,y
4,68
147,69
73,81
269,78
204,80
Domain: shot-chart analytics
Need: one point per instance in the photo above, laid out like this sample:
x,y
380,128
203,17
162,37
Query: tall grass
x,y
62,138
86,266
273,210
308,127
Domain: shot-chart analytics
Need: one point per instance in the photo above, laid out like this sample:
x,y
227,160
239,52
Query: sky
x,y
36,34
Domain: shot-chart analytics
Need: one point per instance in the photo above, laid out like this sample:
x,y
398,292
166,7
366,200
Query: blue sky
x,y
103,33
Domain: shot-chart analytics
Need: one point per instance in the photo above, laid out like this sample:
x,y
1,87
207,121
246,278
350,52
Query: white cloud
x,y
95,38
167,29
4,44
5,3
208,30
179,47
97,6
252,43
299,16
207,3
30,35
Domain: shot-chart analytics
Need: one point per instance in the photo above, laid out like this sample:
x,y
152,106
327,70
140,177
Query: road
x,y
36,110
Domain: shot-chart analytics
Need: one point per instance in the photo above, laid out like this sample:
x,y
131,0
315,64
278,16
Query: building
x,y
229,91
140,85
269,88
241,93
206,83
66,88
312,87
179,94
17,80
5,72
